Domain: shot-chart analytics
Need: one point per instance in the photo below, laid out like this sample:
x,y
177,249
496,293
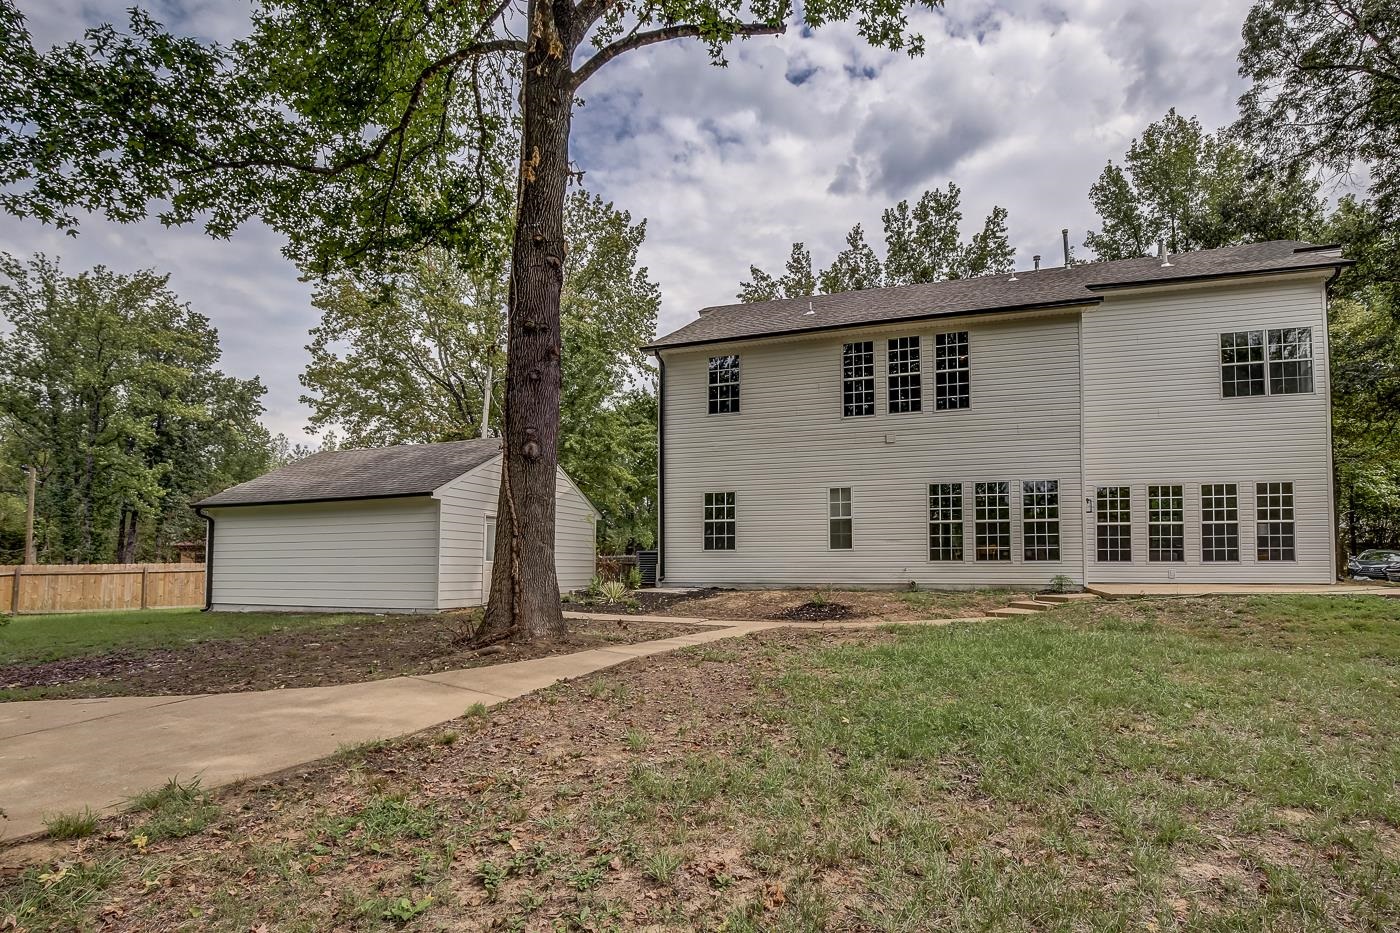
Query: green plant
x,y
406,908
595,586
634,578
613,591
476,711
661,866
174,810
1060,583
75,825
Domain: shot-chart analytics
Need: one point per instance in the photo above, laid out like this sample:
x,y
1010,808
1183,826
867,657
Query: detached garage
x,y
399,529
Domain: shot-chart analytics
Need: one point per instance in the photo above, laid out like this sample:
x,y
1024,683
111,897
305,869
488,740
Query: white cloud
x,y
1020,102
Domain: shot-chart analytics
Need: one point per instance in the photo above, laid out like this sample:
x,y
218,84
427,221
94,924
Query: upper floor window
x,y
858,379
1115,523
992,528
839,519
1272,362
1040,517
1166,524
719,521
1274,521
945,521
724,384
905,372
952,374
1220,522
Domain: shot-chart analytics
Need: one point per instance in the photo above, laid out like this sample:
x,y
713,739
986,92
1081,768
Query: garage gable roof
x,y
381,473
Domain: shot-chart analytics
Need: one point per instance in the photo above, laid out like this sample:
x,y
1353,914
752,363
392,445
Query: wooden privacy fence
x,y
87,587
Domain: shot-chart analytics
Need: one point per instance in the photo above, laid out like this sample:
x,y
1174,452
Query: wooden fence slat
x,y
92,587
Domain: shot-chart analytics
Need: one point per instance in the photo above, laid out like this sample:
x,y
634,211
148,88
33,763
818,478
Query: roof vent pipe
x,y
810,309
1037,263
1162,253
1064,237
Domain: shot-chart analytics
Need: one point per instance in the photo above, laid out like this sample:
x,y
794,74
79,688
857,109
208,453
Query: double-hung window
x,y
1266,362
719,521
1166,524
952,372
945,521
904,375
992,528
1040,519
1273,504
839,521
1114,513
724,384
858,379
1220,522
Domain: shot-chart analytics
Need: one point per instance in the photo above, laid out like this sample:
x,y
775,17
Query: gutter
x,y
389,495
661,470
208,557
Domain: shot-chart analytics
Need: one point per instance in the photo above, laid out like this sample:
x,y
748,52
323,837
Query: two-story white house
x,y
1160,419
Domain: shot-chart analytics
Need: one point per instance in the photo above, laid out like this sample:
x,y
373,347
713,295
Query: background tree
x,y
1196,190
407,358
923,243
109,384
357,128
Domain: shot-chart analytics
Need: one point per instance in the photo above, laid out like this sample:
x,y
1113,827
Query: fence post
x,y
145,579
14,591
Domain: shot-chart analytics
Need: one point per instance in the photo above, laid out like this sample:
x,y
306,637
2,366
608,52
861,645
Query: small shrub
x,y
613,591
1060,583
476,711
74,825
661,866
634,578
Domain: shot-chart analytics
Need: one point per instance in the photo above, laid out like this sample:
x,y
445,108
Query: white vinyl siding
x,y
790,444
376,555
1155,415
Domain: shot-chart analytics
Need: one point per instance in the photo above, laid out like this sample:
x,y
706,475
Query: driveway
x,y
62,755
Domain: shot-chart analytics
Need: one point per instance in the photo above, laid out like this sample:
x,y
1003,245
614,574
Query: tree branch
x,y
682,31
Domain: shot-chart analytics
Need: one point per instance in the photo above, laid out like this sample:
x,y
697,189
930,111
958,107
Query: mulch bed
x,y
309,657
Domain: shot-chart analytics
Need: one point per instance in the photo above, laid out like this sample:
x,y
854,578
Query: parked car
x,y
1375,564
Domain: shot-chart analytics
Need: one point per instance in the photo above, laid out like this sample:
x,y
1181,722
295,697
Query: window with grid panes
x,y
1242,363
1290,361
945,521
719,521
1040,519
724,384
1220,522
1273,511
904,379
858,379
1114,514
839,521
952,373
992,521
1166,524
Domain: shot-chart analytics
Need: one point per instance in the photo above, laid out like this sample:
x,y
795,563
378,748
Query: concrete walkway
x,y
62,755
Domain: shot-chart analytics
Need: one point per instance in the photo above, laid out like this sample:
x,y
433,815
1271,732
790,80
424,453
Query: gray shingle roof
x,y
1081,284
406,470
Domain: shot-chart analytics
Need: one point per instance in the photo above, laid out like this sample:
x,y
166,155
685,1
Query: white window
x,y
858,379
1166,524
1272,362
952,372
1114,514
724,385
719,521
839,520
1220,522
992,529
490,554
904,381
945,521
1040,519
1273,504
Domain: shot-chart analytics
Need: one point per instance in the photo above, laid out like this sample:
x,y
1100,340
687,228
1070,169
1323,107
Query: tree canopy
x,y
923,243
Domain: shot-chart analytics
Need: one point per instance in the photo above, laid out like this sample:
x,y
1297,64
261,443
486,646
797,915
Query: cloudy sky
x,y
1021,102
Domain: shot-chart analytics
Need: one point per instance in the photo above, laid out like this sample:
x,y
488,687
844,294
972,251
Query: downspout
x,y
1086,523
208,558
660,469
1334,528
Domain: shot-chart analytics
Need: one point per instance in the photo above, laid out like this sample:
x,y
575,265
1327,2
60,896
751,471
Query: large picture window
x,y
1166,524
839,520
1114,514
1273,504
945,521
1220,522
952,373
904,380
719,521
724,384
1272,362
1040,519
858,379
1290,361
992,529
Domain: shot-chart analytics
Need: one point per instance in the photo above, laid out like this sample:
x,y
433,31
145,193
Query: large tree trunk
x,y
524,600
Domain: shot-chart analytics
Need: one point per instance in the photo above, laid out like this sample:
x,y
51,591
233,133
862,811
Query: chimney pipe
x,y
1037,263
1064,236
1162,253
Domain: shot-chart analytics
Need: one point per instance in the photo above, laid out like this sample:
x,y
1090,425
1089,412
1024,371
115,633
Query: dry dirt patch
x,y
809,605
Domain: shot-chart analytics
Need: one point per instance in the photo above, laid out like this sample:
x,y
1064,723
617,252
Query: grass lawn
x,y
62,635
1206,764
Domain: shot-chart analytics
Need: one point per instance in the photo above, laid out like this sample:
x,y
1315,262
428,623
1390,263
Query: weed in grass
x,y
385,819
60,896
351,751
174,810
661,865
637,740
446,737
476,711
586,879
406,908
75,825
